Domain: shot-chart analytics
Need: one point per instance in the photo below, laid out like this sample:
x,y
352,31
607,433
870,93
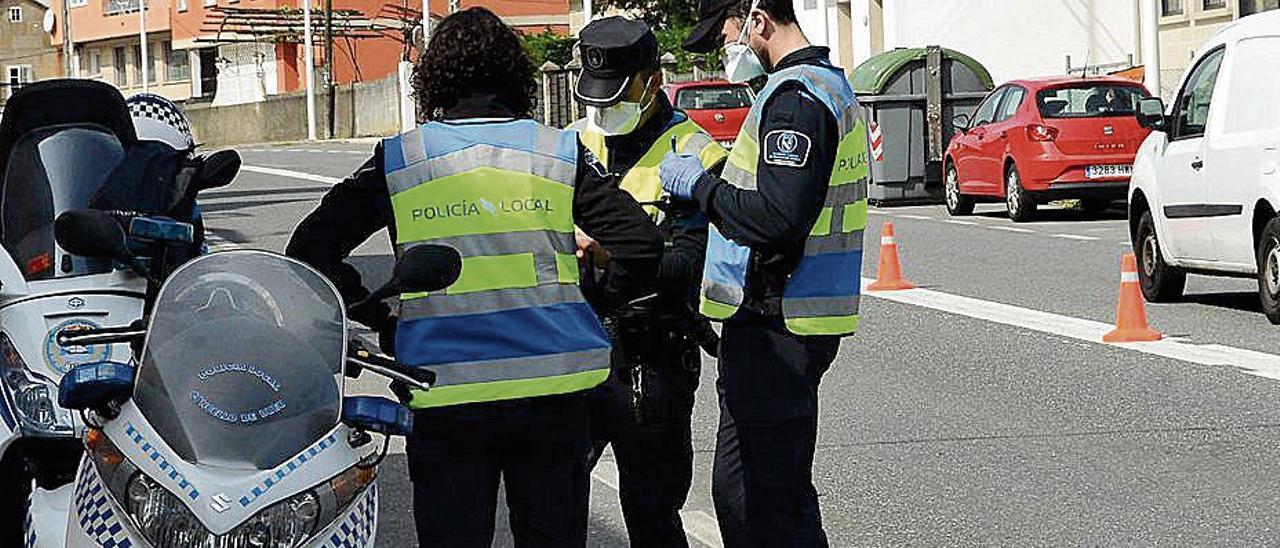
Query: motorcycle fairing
x,y
197,486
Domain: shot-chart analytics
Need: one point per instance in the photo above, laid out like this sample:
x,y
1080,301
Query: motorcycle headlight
x,y
165,521
32,396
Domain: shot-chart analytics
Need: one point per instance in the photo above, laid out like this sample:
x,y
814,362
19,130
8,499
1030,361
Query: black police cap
x,y
613,50
706,36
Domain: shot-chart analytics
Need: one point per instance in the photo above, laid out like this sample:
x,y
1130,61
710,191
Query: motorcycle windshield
x,y
243,360
52,170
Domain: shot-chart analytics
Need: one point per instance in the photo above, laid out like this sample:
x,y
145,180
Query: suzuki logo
x,y
719,117
1108,130
220,503
75,303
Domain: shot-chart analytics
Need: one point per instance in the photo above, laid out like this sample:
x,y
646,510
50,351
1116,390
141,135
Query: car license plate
x,y
1100,172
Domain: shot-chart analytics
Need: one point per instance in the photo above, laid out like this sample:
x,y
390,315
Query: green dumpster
x,y
910,96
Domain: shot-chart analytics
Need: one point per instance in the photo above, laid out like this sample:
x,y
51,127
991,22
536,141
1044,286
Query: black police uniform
x,y
538,445
768,377
645,408
649,426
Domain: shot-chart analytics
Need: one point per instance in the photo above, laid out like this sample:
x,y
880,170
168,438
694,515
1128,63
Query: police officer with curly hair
x,y
514,344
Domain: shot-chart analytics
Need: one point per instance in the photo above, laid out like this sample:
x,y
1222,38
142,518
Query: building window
x,y
121,66
1170,7
151,62
16,76
1214,4
1250,7
178,68
182,5
15,14
208,3
95,64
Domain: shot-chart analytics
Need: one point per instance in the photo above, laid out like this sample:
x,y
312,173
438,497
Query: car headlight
x,y
31,395
164,521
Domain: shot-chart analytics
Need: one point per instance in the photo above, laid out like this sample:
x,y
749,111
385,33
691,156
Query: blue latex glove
x,y
679,173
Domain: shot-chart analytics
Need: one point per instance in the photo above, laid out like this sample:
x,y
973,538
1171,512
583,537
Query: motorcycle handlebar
x,y
360,358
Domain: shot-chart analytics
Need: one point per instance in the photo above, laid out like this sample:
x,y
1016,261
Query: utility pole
x,y
308,63
328,56
66,40
1151,46
144,60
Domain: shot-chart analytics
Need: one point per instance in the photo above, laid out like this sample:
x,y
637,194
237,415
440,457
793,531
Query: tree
x,y
549,46
672,21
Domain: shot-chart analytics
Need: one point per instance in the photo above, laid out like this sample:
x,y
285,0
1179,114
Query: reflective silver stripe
x,y
819,307
440,305
834,243
411,147
454,374
696,144
478,156
545,265
738,177
846,194
722,293
505,243
549,143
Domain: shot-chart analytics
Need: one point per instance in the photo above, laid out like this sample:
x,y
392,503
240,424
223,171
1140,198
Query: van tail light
x,y
1041,133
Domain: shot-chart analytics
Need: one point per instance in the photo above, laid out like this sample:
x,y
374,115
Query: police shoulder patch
x,y
786,148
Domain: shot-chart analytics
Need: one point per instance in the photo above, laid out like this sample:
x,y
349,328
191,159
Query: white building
x,y
1012,38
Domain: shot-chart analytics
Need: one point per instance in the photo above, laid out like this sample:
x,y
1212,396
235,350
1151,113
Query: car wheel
x,y
1160,282
957,204
1021,207
1269,270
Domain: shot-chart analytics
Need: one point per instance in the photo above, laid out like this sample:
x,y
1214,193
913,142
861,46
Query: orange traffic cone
x,y
889,276
1131,310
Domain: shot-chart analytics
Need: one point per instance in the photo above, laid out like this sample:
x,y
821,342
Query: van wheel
x,y
1021,207
957,204
1160,282
1269,270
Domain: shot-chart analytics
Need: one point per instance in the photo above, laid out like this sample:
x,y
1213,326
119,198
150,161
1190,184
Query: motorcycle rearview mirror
x,y
422,268
91,233
95,385
377,414
218,169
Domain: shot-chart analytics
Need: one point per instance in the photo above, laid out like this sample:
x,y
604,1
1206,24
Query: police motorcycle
x,y
68,144
232,431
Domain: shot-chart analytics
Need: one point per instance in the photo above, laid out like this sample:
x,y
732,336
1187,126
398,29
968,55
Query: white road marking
x,y
959,222
1126,243
920,217
1075,237
1013,229
1250,362
697,524
292,174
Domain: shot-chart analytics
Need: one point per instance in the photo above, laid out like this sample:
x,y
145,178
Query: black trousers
x,y
538,447
762,482
653,447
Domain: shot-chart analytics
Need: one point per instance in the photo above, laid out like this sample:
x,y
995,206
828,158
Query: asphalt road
x,y
981,410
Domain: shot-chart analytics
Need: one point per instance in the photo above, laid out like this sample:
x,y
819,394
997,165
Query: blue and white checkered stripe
x,y
94,511
357,528
29,534
173,474
283,471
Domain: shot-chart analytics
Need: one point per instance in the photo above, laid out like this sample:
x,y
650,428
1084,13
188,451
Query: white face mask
x,y
741,64
619,119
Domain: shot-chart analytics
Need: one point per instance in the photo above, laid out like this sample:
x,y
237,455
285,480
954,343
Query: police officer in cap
x,y
783,263
644,409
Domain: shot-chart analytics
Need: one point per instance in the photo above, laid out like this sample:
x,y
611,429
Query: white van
x,y
1206,183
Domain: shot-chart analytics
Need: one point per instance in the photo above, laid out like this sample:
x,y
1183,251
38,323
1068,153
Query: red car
x,y
718,106
1035,141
